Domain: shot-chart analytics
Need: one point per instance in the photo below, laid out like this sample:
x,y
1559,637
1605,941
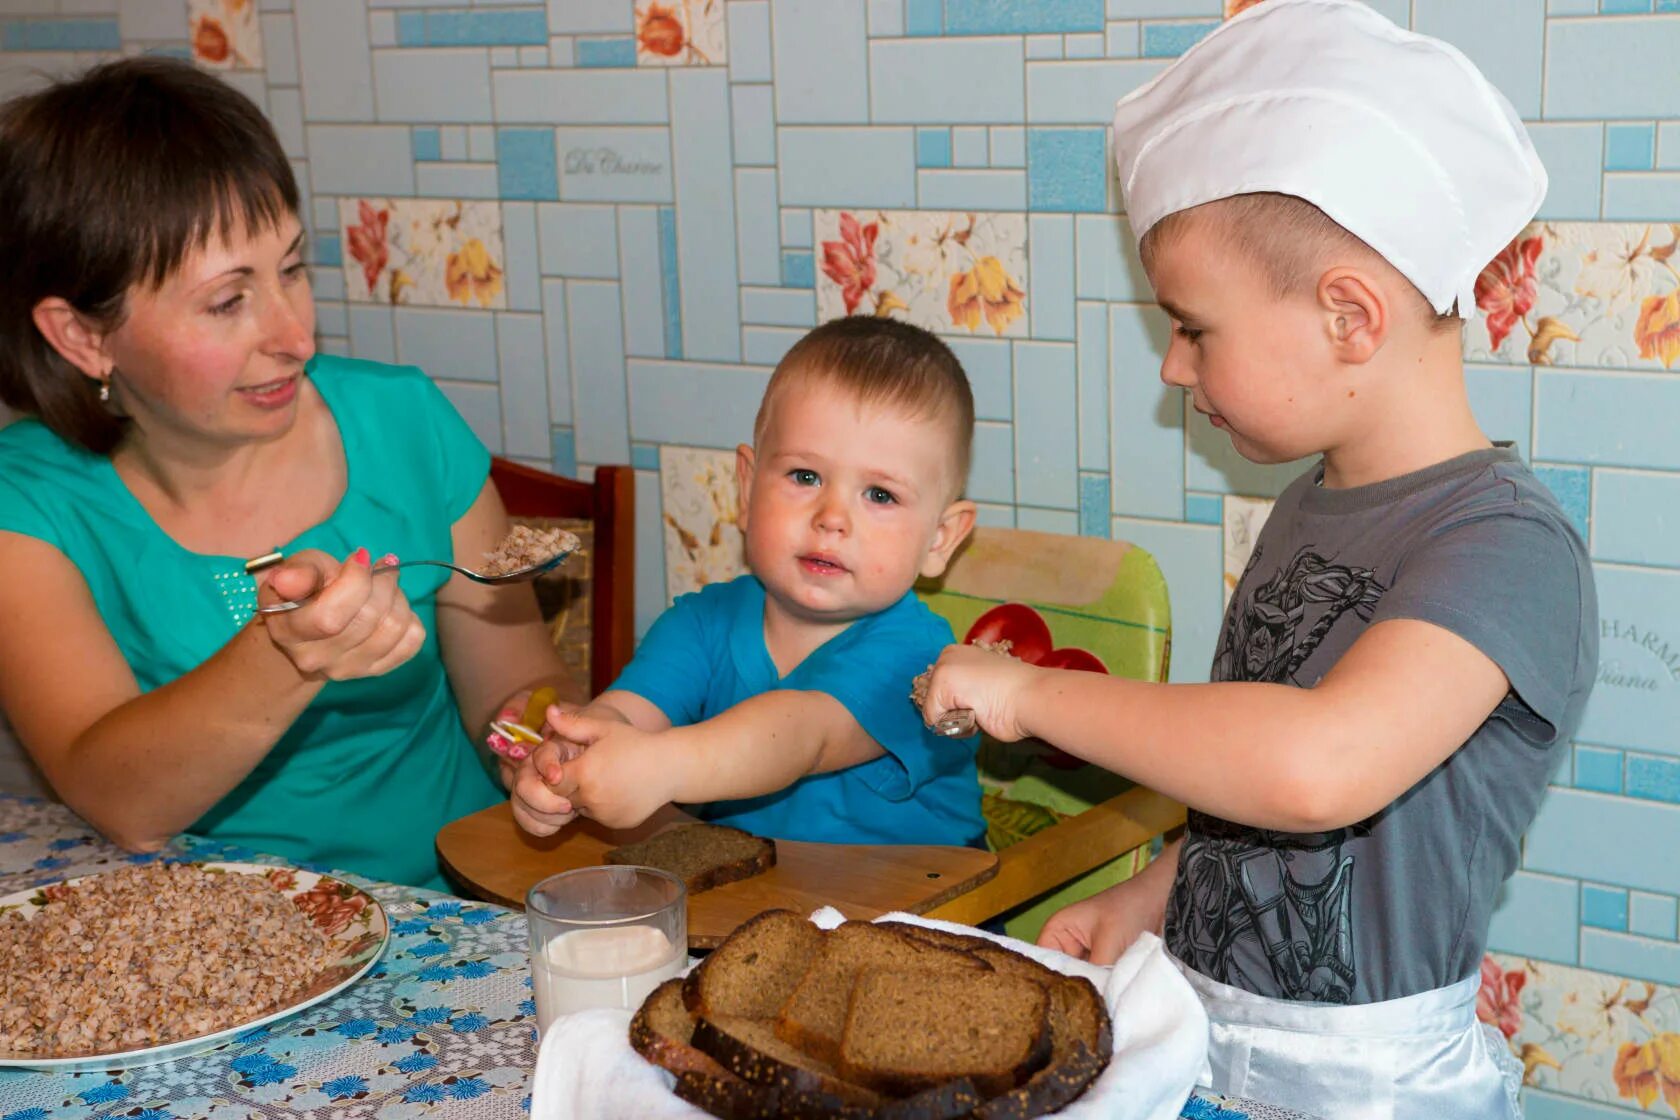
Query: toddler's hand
x,y
982,681
617,774
538,807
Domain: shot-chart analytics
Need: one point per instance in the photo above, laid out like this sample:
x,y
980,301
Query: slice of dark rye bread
x,y
662,1031
733,1099
902,1036
703,856
755,970
814,1016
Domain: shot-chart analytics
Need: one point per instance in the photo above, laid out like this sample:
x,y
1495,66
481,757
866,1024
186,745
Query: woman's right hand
x,y
355,626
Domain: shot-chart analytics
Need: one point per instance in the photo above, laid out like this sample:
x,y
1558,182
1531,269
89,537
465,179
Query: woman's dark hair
x,y
108,181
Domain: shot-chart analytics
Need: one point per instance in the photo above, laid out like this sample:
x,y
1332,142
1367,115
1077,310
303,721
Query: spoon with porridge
x,y
523,555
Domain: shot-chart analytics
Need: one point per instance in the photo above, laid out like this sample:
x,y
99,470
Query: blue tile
x,y
557,343
1108,264
279,39
1572,487
411,29
1655,779
1062,521
60,35
1624,7
1668,5
753,113
1009,146
507,27
991,473
822,62
1594,836
452,139
1501,397
933,147
1652,915
1571,7
852,167
519,243
563,453
705,182
749,42
971,189
924,17
1637,701
1169,40
1083,92
796,229
1598,769
778,307
1637,518
582,17
333,62
481,407
580,97
798,269
1085,46
1046,466
643,286
1630,147
605,53
1191,557
1623,420
1147,418
1021,17
1603,907
1124,40
925,81
1647,197
1668,145
1094,504
615,164
1132,9
426,144
759,249
765,346
886,17
372,335
1623,954
988,515
969,147
429,86
670,281
602,421
991,375
1093,386
1536,916
644,456
525,163
1504,38
578,241
524,379
1067,169
1050,284
1538,1104
652,595
1204,509
328,251
458,345
327,283
373,160
1044,46
330,319
455,180
1571,153
1581,52
695,404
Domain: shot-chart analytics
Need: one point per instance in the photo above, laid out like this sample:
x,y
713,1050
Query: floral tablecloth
x,y
442,1025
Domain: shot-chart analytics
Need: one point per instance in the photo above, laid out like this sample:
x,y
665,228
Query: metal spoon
x,y
518,575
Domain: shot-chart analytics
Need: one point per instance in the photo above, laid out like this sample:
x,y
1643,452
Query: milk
x,y
614,967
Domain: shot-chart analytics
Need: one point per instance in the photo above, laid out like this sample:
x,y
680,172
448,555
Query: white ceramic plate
x,y
350,918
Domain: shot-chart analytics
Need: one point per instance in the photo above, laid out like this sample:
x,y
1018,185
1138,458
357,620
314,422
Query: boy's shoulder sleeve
x,y
1511,577
674,663
869,670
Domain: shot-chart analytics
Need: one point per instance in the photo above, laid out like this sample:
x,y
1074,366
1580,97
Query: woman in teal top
x,y
157,333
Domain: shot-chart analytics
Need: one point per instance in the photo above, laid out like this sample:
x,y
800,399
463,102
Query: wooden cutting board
x,y
490,857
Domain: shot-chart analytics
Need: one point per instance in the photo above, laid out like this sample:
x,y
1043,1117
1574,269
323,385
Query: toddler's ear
x,y
954,526
745,463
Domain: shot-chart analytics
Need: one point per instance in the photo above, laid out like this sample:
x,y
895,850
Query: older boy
x,y
1415,636
776,702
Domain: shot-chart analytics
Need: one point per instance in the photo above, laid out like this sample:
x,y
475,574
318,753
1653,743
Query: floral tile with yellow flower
x,y
423,252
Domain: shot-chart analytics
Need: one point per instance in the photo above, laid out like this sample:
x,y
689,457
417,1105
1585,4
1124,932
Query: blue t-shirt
x,y
369,772
707,654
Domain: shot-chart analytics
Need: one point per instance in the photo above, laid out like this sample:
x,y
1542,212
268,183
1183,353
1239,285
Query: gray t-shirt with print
x,y
1398,903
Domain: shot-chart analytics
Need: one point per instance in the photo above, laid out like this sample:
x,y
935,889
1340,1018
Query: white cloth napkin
x,y
586,1069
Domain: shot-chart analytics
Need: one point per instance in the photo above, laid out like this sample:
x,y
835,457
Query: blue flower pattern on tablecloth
x,y
445,1017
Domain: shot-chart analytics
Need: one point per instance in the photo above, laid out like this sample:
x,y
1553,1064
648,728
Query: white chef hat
x,y
1396,136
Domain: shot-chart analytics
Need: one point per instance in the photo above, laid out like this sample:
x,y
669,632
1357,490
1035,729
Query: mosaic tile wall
x,y
598,224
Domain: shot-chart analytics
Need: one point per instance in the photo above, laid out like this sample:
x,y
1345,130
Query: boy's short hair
x,y
883,362
1288,239
108,181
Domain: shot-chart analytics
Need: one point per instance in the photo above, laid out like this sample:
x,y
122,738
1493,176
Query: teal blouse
x,y
369,772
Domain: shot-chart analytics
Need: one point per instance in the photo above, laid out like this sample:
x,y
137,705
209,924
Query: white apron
x,y
1421,1057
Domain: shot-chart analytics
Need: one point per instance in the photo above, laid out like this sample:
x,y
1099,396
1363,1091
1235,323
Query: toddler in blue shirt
x,y
779,702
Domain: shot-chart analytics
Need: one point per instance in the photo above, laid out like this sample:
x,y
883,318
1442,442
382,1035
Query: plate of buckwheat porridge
x,y
158,961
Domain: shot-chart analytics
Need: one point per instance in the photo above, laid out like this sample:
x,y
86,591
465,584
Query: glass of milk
x,y
604,937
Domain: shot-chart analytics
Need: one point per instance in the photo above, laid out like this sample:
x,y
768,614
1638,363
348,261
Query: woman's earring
x,y
105,390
